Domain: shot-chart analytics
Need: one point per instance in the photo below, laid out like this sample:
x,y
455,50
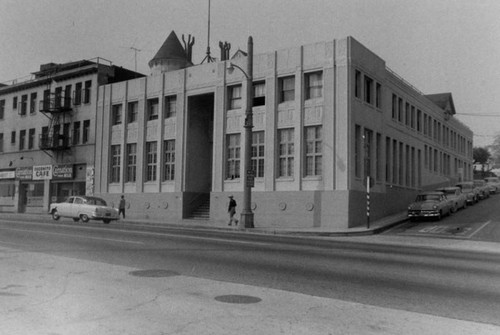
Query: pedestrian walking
x,y
121,207
231,211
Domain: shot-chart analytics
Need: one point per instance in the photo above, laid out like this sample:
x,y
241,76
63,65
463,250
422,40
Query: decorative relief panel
x,y
169,129
234,121
132,134
116,135
286,117
152,131
313,114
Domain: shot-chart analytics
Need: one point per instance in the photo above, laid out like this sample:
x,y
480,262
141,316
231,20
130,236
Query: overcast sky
x,y
436,45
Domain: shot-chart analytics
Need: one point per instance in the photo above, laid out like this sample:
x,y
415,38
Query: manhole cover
x,y
238,299
154,273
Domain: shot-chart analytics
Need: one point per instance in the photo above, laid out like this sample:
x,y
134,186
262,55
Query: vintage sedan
x,y
430,204
470,191
493,183
483,188
84,208
455,194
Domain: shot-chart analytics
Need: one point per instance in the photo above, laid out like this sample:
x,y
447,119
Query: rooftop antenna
x,y
208,58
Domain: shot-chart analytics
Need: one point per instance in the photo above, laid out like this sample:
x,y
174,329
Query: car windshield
x,y
452,192
96,201
427,197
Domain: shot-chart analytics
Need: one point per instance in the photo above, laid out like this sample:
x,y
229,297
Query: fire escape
x,y
57,108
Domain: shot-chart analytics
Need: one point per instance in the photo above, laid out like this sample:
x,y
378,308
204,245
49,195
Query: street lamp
x,y
246,213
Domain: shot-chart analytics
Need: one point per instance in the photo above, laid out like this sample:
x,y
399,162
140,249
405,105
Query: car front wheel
x,y
84,218
55,215
106,220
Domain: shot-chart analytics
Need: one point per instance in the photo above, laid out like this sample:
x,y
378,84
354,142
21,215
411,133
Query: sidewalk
x,y
375,227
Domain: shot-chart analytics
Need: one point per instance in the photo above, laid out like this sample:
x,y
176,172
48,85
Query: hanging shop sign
x,y
42,172
24,173
64,171
7,174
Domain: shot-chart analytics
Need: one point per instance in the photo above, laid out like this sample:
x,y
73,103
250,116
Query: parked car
x,y
470,191
455,194
430,204
83,208
482,187
493,183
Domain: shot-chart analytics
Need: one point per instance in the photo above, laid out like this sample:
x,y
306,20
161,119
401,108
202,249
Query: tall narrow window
x,y
1,142
2,109
116,114
131,175
152,109
86,131
31,138
169,160
394,107
76,132
22,139
287,89
170,106
86,92
395,161
286,152
401,162
234,95
378,157
368,90
132,112
314,85
151,160
24,105
115,163
66,134
259,93
400,110
378,96
78,94
13,137
358,145
357,84
33,103
58,97
67,96
388,159
412,117
14,103
233,156
407,114
258,153
419,120
313,151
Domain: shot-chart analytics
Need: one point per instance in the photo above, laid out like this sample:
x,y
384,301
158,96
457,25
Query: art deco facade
x,y
326,116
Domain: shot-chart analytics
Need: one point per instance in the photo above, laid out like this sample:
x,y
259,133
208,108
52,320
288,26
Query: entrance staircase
x,y
202,212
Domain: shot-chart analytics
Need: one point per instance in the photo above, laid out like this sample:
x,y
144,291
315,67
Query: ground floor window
x,y
115,163
233,156
313,151
131,163
169,160
151,160
286,152
258,153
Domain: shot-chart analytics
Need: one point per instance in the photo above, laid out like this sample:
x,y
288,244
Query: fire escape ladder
x,y
57,108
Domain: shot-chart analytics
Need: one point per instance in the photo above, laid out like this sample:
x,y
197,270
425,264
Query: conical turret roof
x,y
171,49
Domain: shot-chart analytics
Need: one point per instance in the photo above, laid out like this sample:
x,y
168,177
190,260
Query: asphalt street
x,y
449,283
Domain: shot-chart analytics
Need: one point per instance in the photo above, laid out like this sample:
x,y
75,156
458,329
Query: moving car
x,y
470,191
430,204
455,194
84,208
483,188
493,183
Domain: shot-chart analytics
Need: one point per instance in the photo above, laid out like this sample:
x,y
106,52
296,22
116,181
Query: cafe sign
x,y
64,171
42,172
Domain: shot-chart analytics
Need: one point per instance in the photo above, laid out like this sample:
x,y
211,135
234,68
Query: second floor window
x,y
24,104
234,94
259,94
170,106
76,132
31,138
132,112
86,131
152,109
2,109
287,89
314,85
33,103
86,92
116,114
22,138
1,142
78,94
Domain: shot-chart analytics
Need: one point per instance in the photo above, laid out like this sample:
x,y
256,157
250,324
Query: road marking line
x,y
145,233
72,235
477,230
